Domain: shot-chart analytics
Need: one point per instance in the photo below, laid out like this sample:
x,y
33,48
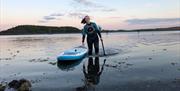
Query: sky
x,y
109,14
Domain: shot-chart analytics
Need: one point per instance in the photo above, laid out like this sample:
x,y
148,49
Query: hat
x,y
83,20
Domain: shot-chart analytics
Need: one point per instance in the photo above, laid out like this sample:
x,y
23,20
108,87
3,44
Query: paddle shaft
x,y
103,47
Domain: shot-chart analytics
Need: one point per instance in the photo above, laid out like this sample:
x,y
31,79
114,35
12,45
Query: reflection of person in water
x,y
92,73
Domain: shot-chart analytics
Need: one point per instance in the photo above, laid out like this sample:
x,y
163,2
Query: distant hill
x,y
160,29
146,30
32,29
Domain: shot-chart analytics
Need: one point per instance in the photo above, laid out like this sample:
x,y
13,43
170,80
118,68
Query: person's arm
x,y
83,35
97,30
102,67
83,38
84,70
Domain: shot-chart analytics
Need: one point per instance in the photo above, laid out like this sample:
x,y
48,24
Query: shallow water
x,y
144,61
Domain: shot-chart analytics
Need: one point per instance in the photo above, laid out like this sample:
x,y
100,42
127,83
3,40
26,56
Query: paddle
x,y
103,47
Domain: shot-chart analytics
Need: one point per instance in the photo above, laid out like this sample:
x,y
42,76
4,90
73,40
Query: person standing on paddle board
x,y
93,34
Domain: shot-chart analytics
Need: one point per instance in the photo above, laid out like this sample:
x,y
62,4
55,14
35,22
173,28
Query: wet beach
x,y
135,61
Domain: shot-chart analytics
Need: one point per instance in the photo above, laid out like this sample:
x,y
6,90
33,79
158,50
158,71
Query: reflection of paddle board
x,y
68,65
76,53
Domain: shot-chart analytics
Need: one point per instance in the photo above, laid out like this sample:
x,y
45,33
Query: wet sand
x,y
145,61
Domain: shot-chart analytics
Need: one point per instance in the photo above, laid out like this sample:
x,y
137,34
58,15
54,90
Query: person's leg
x,y
90,64
97,64
90,45
96,46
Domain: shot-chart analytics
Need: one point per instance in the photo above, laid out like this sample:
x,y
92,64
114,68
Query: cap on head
x,y
84,19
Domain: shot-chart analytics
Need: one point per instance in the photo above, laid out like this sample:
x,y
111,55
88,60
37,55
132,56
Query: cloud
x,y
153,21
87,3
150,5
108,10
57,14
42,21
92,6
54,16
78,15
49,18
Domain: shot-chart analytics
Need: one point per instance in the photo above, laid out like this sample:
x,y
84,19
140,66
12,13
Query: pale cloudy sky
x,y
109,14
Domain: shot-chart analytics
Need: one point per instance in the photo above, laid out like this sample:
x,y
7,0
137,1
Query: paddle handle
x,y
103,47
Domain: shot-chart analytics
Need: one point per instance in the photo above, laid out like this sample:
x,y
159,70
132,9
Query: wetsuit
x,y
92,31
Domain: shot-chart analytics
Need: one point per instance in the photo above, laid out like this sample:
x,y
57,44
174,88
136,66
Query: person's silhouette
x,y
91,73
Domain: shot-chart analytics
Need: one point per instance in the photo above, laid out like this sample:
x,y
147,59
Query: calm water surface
x,y
145,61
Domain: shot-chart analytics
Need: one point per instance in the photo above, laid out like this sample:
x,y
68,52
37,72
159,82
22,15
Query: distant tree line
x,y
33,29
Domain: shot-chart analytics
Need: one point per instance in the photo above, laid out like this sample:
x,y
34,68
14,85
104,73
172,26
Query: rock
x,y
2,87
52,63
150,58
43,60
18,51
8,59
173,63
14,55
121,62
32,60
129,64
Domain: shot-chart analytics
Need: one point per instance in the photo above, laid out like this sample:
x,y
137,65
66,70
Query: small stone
x,y
52,63
7,58
173,63
18,51
129,64
114,66
32,60
121,62
14,55
44,60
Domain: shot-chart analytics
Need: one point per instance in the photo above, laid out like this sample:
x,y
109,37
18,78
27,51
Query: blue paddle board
x,y
76,53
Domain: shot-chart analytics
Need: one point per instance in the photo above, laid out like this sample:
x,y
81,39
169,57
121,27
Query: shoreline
x,y
33,30
101,32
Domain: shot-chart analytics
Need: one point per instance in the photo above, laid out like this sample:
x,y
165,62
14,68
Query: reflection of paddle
x,y
103,47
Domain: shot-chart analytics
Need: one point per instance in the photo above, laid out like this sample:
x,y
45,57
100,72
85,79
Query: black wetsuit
x,y
92,32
